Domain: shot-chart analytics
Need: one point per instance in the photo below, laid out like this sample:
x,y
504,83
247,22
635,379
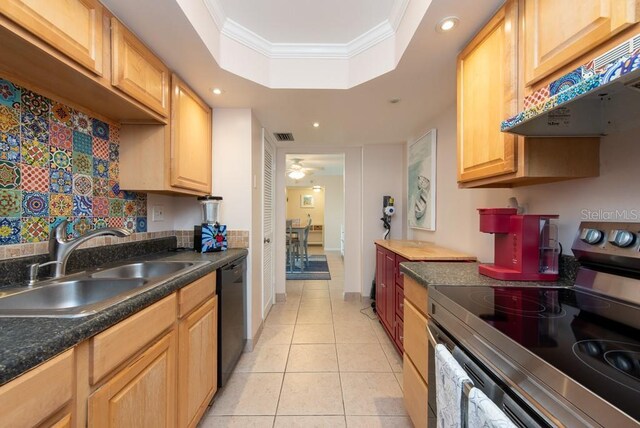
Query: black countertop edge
x,y
27,342
466,274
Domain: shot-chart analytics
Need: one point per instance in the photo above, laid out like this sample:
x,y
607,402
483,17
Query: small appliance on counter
x,y
526,247
210,236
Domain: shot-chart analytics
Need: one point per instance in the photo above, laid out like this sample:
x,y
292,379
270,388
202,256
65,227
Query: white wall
x,y
457,218
384,168
352,213
333,205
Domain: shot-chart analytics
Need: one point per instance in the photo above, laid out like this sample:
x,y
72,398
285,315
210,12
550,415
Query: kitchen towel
x,y
483,413
450,378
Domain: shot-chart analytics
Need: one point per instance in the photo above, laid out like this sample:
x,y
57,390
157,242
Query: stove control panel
x,y
615,244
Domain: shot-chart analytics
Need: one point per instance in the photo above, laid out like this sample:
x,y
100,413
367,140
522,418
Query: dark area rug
x,y
318,268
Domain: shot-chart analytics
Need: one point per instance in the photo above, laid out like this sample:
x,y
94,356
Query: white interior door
x,y
268,274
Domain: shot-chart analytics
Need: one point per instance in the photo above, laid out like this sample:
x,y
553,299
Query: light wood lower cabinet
x,y
197,362
40,394
415,393
142,394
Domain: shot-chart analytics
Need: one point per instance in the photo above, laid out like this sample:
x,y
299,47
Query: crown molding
x,y
252,40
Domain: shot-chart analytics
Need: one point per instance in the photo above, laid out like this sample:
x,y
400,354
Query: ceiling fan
x,y
297,171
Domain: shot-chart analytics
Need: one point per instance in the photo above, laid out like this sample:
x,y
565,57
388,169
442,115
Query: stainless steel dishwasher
x,y
230,288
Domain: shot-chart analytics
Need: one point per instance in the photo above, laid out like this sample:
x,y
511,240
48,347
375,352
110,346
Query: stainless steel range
x,y
554,356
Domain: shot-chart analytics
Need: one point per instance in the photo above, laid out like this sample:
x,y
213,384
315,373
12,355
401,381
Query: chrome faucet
x,y
60,248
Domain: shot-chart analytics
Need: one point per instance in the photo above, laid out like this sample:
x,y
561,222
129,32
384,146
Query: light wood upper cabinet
x,y
487,94
74,27
40,394
137,71
190,139
557,32
142,394
197,362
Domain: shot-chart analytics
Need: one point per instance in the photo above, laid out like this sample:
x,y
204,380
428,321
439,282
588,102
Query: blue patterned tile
x,y
9,147
130,196
82,205
34,127
61,181
35,204
141,224
100,168
35,104
100,129
61,159
10,94
114,152
55,221
9,230
82,143
82,225
566,81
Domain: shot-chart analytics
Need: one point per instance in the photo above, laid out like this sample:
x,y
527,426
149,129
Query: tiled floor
x,y
320,362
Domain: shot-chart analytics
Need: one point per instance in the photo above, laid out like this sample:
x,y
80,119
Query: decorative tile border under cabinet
x,y
235,238
56,164
621,60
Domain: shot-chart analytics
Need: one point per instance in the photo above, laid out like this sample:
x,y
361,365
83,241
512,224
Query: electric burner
x,y
520,302
618,361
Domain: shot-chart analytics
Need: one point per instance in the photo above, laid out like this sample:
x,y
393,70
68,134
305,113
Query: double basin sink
x,y
89,292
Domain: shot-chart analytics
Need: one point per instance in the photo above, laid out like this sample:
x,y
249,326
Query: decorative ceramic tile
x,y
35,153
60,136
130,224
61,114
82,205
34,127
61,181
35,229
9,120
10,94
57,163
100,168
82,225
100,222
9,230
60,158
10,203
100,207
9,147
82,143
82,185
141,224
60,205
539,96
566,81
82,163
81,122
100,148
35,103
114,190
35,204
114,170
114,152
34,179
10,176
100,129
100,187
130,208
115,222
116,207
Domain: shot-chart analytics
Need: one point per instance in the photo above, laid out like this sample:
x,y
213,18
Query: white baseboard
x,y
332,249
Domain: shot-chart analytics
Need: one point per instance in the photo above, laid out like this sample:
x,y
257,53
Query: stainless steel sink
x,y
147,270
68,298
86,293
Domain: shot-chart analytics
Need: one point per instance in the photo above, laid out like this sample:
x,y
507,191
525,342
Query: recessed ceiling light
x,y
216,91
447,24
316,124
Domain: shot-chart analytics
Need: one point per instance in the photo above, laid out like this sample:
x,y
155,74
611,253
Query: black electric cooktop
x,y
591,338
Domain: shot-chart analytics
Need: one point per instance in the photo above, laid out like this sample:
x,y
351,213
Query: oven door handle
x,y
432,338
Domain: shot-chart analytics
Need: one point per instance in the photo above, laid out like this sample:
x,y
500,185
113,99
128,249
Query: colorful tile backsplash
x,y
57,163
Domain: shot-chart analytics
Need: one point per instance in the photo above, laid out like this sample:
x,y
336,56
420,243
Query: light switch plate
x,y
157,213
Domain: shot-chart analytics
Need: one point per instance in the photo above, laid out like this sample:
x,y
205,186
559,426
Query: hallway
x,y
320,362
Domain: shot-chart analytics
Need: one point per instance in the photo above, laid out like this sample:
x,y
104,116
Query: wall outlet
x,y
157,213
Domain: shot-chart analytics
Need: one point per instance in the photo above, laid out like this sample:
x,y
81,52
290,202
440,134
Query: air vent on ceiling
x,y
283,136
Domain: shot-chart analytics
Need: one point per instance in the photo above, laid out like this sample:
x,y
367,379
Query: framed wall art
x,y
421,182
306,201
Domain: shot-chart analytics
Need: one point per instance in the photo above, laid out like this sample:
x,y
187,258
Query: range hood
x,y
598,98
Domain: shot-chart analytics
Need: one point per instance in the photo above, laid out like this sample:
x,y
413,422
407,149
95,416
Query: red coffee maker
x,y
525,248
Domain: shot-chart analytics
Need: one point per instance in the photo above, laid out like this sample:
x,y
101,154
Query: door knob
x,y
267,240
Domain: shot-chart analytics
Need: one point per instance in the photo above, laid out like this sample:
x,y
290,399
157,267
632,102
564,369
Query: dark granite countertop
x,y
27,342
448,273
